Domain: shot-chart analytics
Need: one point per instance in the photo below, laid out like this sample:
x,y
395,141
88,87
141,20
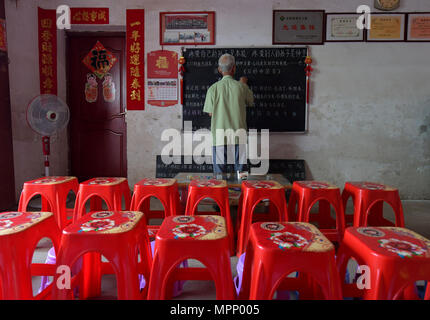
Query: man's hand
x,y
244,80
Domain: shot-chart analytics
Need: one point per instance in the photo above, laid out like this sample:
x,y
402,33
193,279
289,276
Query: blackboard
x,y
275,75
291,169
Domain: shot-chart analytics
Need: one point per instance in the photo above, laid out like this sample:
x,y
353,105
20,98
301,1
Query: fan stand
x,y
46,153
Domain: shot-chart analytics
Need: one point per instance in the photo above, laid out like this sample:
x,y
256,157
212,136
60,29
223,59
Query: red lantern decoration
x,y
308,69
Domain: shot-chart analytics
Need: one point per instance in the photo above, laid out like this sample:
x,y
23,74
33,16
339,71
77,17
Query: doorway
x,y
95,94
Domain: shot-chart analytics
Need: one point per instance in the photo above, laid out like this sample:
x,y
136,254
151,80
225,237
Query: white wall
x,y
369,117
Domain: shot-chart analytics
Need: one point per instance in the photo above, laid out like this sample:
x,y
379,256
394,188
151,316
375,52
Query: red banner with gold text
x,y
47,51
89,15
135,59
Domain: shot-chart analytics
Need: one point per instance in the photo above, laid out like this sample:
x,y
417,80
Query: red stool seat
x,y
368,199
252,193
217,190
119,236
397,258
54,191
201,237
276,249
19,234
165,190
305,194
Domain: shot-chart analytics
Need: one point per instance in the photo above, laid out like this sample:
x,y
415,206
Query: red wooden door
x,y
7,177
97,124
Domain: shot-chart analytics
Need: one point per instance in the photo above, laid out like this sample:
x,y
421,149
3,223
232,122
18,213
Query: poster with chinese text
x,y
162,78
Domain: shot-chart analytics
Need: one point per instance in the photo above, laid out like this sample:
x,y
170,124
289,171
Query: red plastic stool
x,y
276,249
397,258
20,232
201,237
165,190
217,190
368,199
252,193
111,190
54,191
305,194
120,236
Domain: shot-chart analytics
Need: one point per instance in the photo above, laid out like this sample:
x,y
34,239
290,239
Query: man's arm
x,y
249,99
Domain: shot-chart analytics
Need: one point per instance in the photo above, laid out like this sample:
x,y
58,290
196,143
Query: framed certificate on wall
x,y
194,28
342,27
418,29
298,27
386,27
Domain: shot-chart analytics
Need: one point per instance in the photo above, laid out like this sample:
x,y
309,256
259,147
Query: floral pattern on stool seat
x,y
393,241
371,186
208,183
51,180
100,181
292,236
200,227
316,185
262,184
106,222
14,222
158,182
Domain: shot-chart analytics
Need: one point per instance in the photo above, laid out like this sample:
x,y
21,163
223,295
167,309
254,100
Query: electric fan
x,y
47,114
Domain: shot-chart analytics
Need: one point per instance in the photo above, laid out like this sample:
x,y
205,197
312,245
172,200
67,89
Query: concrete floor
x,y
417,218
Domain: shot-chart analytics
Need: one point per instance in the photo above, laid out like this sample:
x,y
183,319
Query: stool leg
x,y
427,294
16,275
245,224
247,273
375,215
330,281
127,275
292,215
91,277
158,280
349,219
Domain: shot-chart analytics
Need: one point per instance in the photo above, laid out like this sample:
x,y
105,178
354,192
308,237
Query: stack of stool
x,y
120,236
396,258
165,190
201,237
217,190
53,191
112,190
276,249
368,199
252,193
19,234
305,194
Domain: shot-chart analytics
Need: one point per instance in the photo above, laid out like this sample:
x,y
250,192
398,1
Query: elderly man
x,y
226,102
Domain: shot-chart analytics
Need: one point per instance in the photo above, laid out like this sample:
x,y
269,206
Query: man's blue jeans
x,y
222,155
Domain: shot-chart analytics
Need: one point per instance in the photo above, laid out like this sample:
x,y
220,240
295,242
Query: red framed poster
x,y
162,78
135,59
89,15
196,28
47,51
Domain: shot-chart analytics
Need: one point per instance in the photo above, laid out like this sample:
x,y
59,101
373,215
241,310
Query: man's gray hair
x,y
226,62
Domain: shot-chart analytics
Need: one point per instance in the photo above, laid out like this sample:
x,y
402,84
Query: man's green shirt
x,y
227,100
